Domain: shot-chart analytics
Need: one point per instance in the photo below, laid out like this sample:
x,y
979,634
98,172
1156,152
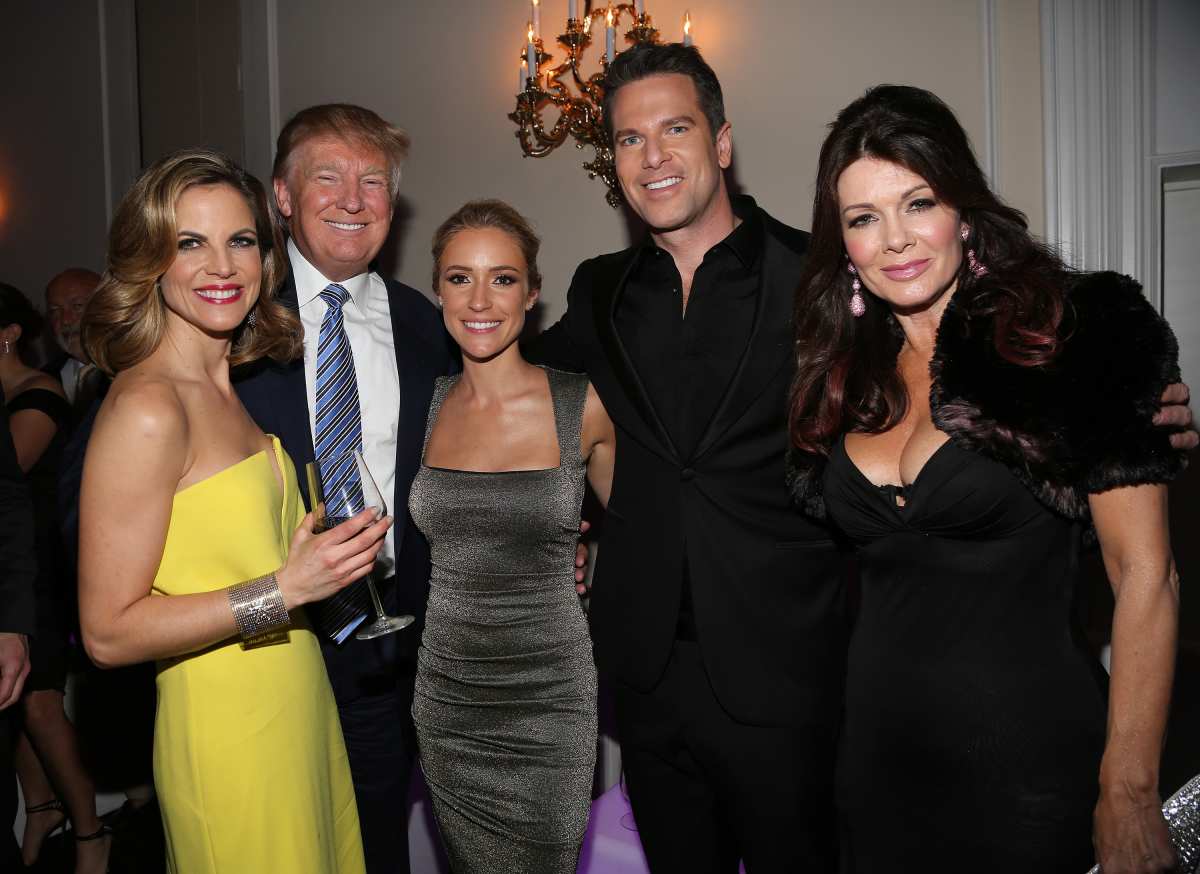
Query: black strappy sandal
x,y
45,807
99,834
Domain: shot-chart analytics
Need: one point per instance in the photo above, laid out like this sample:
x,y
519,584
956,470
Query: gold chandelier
x,y
541,84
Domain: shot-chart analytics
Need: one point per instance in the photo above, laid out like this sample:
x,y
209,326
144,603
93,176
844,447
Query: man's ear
x,y
725,146
283,197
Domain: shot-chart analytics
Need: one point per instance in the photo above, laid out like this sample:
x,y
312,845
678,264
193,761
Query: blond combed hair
x,y
126,317
346,122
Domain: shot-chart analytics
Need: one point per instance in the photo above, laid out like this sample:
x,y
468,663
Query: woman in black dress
x,y
47,756
968,411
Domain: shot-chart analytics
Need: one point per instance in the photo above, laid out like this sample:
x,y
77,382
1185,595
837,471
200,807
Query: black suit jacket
x,y
276,397
18,566
766,581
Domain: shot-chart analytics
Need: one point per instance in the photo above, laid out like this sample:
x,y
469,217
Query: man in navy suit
x,y
336,179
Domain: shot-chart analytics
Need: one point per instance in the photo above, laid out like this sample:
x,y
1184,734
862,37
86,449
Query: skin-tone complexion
x,y
483,286
336,200
66,299
671,167
171,421
905,244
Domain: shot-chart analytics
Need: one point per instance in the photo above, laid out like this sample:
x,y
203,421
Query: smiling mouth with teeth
x,y
344,226
219,295
481,326
664,183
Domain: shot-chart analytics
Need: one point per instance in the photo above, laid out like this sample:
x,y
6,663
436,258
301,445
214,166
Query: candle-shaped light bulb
x,y
572,9
537,18
522,76
640,6
687,28
531,54
610,38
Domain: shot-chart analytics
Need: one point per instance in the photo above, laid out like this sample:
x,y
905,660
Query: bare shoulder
x,y
142,417
42,381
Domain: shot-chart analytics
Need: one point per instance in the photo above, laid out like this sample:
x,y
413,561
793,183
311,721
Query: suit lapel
x,y
610,287
291,404
416,383
769,346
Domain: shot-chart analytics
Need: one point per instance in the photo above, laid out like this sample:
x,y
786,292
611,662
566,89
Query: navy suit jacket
x,y
276,396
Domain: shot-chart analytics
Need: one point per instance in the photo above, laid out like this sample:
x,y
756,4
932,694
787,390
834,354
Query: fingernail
x,y
376,511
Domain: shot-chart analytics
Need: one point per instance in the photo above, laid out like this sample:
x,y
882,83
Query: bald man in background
x,y
67,295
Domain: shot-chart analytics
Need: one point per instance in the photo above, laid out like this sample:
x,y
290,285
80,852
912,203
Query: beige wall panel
x,y
1020,163
52,207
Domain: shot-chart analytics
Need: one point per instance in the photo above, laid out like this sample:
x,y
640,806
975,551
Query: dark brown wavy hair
x,y
125,319
846,377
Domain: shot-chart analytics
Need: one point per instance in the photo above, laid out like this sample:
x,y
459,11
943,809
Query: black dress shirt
x,y
686,359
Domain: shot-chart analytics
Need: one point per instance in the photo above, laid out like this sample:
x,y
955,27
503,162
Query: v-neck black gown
x,y
974,723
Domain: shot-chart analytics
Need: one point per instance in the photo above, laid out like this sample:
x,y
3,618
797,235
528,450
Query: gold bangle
x,y
258,606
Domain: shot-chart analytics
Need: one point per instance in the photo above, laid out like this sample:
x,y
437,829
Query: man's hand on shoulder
x,y
1175,413
14,666
581,560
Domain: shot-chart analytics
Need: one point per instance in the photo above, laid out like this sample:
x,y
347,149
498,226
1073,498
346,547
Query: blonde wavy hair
x,y
126,317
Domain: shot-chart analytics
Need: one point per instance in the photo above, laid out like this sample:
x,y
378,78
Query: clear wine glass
x,y
339,487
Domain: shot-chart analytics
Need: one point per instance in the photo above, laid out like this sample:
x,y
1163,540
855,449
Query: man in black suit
x,y
336,178
17,572
717,610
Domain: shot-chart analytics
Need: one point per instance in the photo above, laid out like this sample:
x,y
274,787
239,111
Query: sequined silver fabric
x,y
1182,812
505,702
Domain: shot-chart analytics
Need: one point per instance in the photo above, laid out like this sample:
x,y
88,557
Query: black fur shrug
x,y
1079,425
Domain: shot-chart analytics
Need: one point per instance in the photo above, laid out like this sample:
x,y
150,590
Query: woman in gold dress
x,y
194,547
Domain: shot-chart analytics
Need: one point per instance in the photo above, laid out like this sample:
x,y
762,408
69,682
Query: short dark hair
x,y
647,59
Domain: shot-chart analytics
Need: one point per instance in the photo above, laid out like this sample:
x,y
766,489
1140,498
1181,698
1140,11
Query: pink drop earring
x,y
858,306
973,264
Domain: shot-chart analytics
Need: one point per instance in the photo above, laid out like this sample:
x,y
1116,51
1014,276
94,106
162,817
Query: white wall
x,y
447,73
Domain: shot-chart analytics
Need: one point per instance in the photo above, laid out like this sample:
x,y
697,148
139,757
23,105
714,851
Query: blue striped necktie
x,y
338,432
339,418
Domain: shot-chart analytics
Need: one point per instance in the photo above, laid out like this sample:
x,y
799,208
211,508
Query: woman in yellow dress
x,y
194,547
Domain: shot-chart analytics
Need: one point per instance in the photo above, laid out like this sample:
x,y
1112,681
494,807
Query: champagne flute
x,y
340,486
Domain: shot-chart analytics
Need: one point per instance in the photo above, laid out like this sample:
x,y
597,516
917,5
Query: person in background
x,y
67,295
966,409
18,560
337,180
47,756
195,550
505,704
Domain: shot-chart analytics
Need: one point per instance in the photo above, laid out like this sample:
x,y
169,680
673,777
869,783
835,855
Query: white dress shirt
x,y
368,321
69,376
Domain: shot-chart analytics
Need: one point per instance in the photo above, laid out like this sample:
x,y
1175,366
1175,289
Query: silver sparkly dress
x,y
505,703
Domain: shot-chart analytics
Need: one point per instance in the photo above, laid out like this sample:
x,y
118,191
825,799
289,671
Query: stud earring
x,y
858,306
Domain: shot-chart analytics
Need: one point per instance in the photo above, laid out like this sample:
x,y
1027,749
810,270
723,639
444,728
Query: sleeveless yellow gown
x,y
249,761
